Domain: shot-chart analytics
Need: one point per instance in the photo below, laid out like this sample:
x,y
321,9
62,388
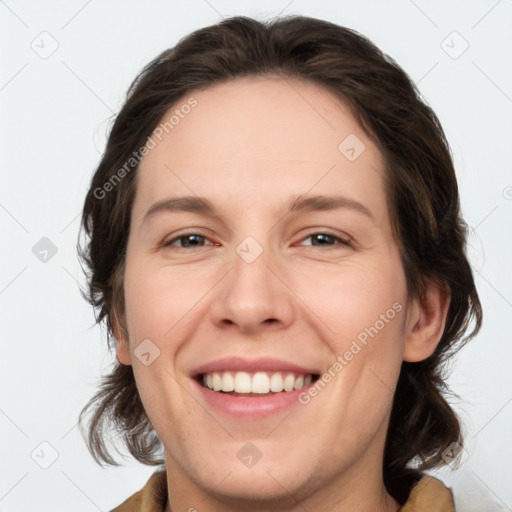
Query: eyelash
x,y
194,233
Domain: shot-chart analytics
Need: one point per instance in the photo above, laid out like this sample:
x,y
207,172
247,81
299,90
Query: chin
x,y
249,486
268,482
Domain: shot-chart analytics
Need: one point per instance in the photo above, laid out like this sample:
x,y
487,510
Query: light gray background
x,y
55,112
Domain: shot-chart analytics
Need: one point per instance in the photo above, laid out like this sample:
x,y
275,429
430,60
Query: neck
x,y
386,503
360,487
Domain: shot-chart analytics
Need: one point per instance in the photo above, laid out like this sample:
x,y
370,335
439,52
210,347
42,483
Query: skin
x,y
249,146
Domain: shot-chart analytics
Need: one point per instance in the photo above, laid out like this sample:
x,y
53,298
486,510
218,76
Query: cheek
x,y
157,300
355,298
362,310
157,304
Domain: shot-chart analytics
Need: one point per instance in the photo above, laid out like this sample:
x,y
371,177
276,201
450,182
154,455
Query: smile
x,y
243,383
250,389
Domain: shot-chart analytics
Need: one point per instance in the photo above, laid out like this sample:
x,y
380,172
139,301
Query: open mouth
x,y
255,384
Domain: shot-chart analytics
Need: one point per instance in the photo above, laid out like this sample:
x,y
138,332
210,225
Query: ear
x,y
121,335
426,318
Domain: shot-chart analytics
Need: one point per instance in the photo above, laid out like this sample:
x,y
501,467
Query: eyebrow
x,y
297,204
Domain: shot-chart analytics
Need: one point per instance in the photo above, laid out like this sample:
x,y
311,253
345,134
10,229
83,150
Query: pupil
x,y
322,238
191,237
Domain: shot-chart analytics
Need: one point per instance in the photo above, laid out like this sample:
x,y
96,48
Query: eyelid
x,y
343,238
315,230
177,236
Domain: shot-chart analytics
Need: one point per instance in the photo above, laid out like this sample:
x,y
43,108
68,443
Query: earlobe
x,y
122,346
426,323
123,352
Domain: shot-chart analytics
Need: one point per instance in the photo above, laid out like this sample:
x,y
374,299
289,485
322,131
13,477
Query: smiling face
x,y
279,268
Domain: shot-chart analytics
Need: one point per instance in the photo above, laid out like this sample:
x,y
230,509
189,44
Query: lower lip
x,y
249,407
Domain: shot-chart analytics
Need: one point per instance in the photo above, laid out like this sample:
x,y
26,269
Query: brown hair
x,y
422,194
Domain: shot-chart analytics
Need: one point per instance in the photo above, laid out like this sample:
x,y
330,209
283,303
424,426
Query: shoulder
x,y
151,498
429,494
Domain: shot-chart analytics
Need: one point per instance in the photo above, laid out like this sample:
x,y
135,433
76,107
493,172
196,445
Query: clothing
x,y
428,495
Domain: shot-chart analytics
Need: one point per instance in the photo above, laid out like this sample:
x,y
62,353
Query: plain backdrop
x,y
65,68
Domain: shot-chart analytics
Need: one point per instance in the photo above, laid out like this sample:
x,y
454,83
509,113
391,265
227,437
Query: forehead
x,y
262,135
264,117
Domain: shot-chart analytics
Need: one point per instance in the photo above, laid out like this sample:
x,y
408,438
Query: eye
x,y
194,240
187,241
326,240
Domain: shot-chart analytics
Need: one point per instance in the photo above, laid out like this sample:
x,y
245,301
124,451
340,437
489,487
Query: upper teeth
x,y
259,382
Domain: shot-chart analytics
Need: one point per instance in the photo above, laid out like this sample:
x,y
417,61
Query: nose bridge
x,y
251,296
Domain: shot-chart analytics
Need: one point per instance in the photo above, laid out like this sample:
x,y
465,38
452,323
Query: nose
x,y
254,297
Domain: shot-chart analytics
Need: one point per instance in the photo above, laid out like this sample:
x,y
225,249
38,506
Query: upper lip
x,y
268,364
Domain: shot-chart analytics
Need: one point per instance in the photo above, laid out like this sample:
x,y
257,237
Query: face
x,y
290,277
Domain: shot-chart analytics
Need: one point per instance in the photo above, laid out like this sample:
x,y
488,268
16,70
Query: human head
x,y
421,193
